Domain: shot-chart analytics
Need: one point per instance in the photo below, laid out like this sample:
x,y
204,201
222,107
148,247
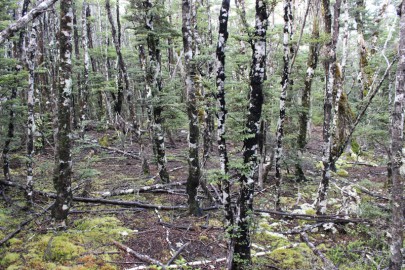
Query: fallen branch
x,y
23,224
113,149
327,263
177,253
140,189
126,203
139,256
211,262
321,218
189,227
101,200
364,190
24,20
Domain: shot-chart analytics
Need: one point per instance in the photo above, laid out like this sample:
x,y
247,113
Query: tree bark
x,y
189,47
221,118
85,83
330,69
398,154
30,60
304,116
122,70
242,255
364,75
62,178
287,30
154,83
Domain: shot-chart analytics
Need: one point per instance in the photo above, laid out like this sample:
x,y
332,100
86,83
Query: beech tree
x,y
194,171
397,154
330,70
242,254
63,172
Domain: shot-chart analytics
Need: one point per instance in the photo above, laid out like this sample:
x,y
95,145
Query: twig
x,y
177,253
139,256
113,149
23,224
328,264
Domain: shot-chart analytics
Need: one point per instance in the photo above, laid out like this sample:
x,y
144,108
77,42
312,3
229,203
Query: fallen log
x,y
320,218
140,189
101,200
139,256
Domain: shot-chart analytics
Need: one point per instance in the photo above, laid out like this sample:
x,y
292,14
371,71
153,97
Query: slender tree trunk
x,y
398,155
242,256
285,79
221,117
30,60
154,82
330,68
304,116
189,46
122,70
84,112
364,76
62,180
342,113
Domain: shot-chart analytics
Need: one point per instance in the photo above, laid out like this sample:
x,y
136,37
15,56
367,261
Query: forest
x,y
202,134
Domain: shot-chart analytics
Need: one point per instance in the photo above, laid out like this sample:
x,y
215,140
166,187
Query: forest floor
x,y
299,241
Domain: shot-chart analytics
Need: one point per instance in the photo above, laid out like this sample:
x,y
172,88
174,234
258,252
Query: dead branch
x,y
177,253
126,203
363,189
213,262
23,224
139,256
140,189
320,218
327,263
101,200
24,20
113,149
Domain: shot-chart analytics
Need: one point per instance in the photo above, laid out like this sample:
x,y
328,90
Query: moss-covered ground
x,y
92,228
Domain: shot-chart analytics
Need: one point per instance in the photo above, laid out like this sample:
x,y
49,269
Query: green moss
x,y
310,212
266,238
62,249
9,258
342,173
292,258
15,242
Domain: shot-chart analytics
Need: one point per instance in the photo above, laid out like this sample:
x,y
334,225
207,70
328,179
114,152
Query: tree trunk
x,y
189,47
287,30
397,152
30,60
242,255
330,68
221,117
304,116
62,179
364,75
154,83
85,83
122,70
